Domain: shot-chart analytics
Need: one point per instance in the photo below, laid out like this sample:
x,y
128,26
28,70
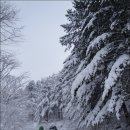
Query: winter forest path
x,y
61,125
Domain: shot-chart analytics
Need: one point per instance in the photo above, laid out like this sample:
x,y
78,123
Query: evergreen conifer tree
x,y
99,32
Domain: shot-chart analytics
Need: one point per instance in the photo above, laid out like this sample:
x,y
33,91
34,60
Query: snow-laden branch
x,y
91,68
115,73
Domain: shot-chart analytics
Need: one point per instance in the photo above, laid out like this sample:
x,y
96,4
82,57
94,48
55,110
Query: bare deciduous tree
x,y
9,33
12,112
8,18
8,63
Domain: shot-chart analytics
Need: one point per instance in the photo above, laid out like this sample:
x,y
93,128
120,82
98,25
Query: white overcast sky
x,y
40,53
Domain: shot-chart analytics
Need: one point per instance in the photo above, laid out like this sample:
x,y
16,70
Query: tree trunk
x,y
126,113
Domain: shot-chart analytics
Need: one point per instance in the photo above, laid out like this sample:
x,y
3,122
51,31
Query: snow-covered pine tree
x,y
102,48
45,101
32,94
71,39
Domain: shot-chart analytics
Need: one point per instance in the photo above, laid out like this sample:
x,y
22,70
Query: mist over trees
x,y
93,88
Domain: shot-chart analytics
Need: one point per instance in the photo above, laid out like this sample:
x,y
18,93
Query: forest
x,y
91,91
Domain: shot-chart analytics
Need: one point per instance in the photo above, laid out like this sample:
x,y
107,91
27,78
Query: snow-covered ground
x,y
31,126
61,125
68,125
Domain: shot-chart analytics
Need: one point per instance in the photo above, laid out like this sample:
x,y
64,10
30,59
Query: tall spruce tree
x,y
71,40
99,32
